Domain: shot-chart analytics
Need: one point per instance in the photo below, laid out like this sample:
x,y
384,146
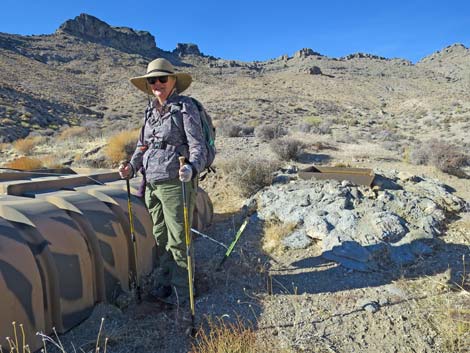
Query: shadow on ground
x,y
309,277
313,158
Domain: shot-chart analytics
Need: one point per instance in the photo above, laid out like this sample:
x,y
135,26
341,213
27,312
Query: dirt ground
x,y
296,301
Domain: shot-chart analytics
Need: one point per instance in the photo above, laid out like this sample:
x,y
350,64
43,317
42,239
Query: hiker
x,y
171,128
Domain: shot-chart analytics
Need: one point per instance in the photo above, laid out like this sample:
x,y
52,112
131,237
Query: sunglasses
x,y
153,80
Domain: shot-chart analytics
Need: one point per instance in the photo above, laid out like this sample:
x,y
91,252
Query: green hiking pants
x,y
164,201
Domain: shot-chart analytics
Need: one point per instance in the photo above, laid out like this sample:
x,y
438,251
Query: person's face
x,y
162,86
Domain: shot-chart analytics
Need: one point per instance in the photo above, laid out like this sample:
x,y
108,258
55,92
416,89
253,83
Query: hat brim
x,y
183,81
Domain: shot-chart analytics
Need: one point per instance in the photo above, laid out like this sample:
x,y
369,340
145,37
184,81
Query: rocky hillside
x,y
79,75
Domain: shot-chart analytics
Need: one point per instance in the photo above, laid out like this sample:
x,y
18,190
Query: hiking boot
x,y
159,293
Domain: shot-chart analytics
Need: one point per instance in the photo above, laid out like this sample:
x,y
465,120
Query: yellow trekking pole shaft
x,y
188,246
134,243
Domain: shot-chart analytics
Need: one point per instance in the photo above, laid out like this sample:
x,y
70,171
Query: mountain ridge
x,y
66,78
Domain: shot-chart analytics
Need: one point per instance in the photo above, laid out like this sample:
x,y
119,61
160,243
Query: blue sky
x,y
260,30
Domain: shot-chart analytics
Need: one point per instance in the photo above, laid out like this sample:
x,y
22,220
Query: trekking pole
x,y
232,245
188,249
131,222
205,236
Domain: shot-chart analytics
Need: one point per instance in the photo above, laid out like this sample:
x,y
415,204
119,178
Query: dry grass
x,y
229,337
25,163
121,146
74,131
27,144
18,343
444,310
51,162
450,317
224,196
274,232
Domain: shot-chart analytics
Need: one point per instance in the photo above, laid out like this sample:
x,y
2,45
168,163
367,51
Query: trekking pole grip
x,y
182,160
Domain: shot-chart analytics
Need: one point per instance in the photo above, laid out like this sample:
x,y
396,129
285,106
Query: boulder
x,y
314,70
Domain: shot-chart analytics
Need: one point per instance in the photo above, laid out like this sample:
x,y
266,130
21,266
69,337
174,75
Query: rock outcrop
x,y
363,228
364,56
123,38
184,49
305,52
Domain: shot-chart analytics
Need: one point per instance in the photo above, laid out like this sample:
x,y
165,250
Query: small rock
x,y
384,301
405,176
291,169
369,305
305,202
297,240
281,179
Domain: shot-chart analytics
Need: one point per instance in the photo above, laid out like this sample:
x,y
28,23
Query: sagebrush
x,y
249,175
286,148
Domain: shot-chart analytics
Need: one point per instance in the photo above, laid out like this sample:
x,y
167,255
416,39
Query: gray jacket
x,y
164,137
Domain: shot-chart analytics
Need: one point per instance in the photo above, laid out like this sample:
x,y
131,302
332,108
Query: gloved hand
x,y
125,170
186,173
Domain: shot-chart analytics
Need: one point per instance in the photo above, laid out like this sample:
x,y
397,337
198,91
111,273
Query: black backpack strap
x,y
177,107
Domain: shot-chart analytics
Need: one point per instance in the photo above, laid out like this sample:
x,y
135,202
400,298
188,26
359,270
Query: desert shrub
x,y
304,127
385,134
121,146
418,155
93,128
73,131
269,132
249,175
27,144
444,156
392,145
286,148
229,129
322,127
313,120
247,130
24,163
221,336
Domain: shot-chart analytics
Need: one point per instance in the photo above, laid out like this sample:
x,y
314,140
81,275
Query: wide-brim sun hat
x,y
161,67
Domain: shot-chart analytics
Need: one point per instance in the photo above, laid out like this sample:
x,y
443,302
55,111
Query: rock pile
x,y
360,227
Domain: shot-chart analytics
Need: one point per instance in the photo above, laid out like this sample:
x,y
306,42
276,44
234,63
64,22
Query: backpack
x,y
208,131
